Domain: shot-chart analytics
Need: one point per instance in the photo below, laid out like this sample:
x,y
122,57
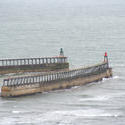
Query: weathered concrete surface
x,y
36,88
34,68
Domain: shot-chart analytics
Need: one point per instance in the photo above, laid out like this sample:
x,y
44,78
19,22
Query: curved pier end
x,y
52,81
109,73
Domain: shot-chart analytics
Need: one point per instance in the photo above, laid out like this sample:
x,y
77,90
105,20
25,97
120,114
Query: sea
x,y
85,29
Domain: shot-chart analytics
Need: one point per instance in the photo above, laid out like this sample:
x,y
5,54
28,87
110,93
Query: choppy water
x,y
85,29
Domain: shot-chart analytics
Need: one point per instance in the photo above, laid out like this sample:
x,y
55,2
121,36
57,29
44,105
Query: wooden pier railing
x,y
32,61
56,76
33,64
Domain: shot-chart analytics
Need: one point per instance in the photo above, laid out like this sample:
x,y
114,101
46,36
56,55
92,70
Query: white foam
x,y
75,87
97,98
115,77
106,79
16,112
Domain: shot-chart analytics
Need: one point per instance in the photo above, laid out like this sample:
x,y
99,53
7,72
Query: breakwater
x,y
33,64
54,80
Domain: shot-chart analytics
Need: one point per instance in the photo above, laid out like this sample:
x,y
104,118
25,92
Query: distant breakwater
x,y
33,64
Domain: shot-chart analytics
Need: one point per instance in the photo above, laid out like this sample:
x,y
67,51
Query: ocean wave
x,y
59,115
16,112
119,65
97,98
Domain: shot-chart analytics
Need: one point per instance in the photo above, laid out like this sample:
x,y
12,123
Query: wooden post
x,y
7,82
42,78
43,60
38,60
51,77
28,61
20,61
31,61
57,60
64,59
6,62
46,60
17,62
14,61
46,78
49,60
16,81
21,80
29,80
53,60
35,61
10,62
4,83
32,79
2,62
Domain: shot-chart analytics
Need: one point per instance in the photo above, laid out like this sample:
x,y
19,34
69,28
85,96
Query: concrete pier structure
x,y
57,80
45,64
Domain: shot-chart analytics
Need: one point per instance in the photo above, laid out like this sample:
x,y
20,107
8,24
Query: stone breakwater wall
x,y
33,65
56,80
